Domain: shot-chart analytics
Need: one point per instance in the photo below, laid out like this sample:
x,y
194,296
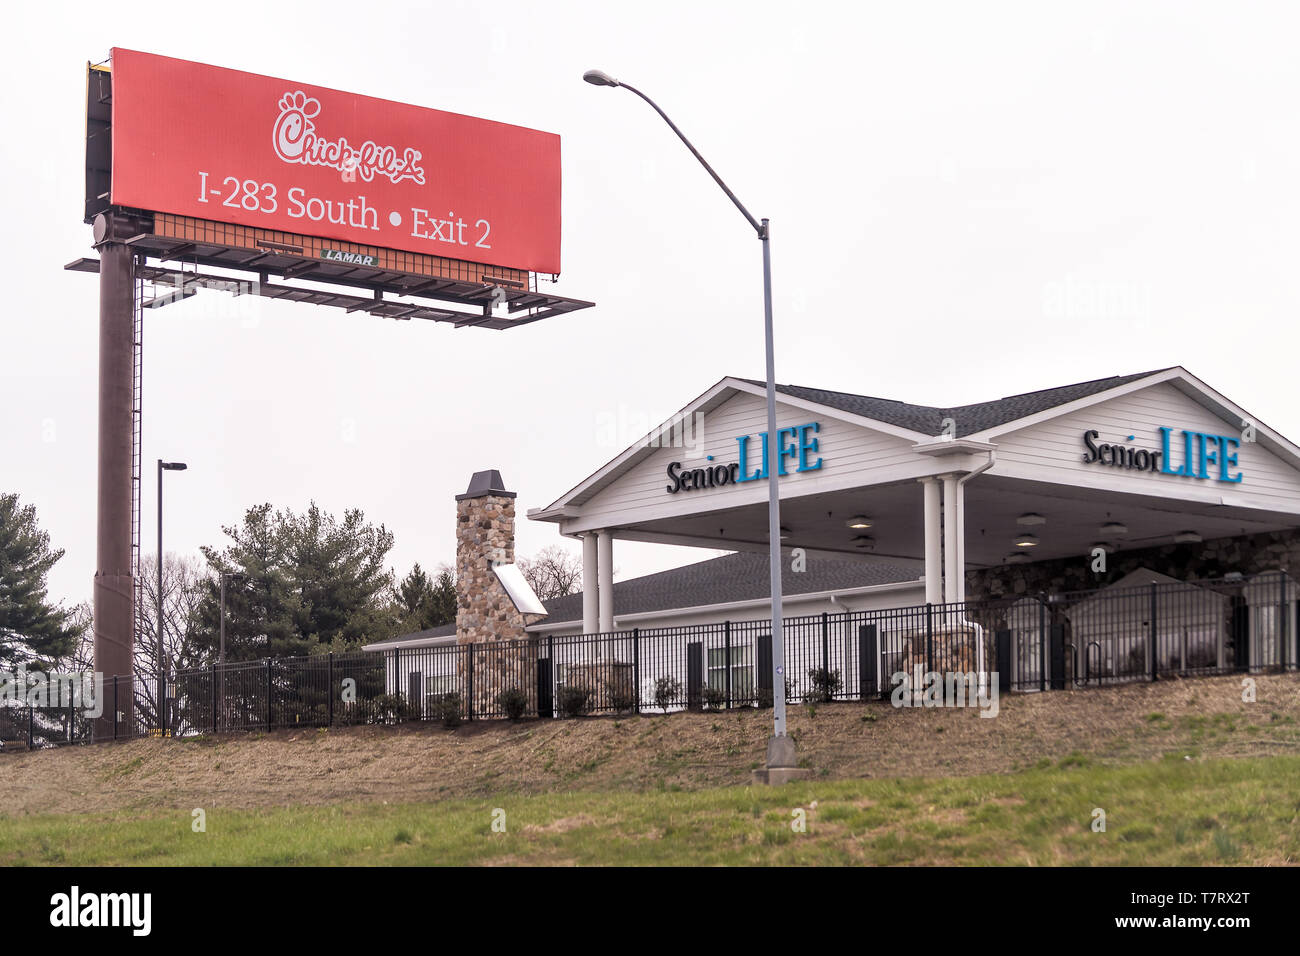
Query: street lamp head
x,y
599,78
173,465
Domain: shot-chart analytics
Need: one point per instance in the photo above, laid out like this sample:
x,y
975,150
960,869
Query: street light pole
x,y
780,750
162,660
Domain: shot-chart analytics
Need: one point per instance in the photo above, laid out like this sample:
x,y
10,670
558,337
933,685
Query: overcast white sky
x,y
968,201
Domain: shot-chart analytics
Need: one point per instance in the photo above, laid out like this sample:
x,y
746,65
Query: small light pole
x,y
162,660
221,651
780,749
233,576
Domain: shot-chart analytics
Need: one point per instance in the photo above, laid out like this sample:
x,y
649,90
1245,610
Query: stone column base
x,y
782,766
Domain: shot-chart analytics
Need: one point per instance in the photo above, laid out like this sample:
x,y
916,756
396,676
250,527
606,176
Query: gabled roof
x,y
969,419
734,577
983,421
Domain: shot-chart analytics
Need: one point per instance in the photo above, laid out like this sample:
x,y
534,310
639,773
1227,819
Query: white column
x,y
933,542
605,563
590,606
951,532
961,542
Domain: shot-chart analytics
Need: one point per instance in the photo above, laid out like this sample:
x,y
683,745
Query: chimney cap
x,y
485,484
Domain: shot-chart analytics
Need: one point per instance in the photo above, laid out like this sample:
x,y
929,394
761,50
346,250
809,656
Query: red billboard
x,y
218,144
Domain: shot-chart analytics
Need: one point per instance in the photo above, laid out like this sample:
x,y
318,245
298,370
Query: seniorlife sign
x,y
1188,454
798,445
251,150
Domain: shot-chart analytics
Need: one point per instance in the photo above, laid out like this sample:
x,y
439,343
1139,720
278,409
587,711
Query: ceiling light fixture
x,y
1030,518
1114,527
864,542
1026,541
1187,537
859,522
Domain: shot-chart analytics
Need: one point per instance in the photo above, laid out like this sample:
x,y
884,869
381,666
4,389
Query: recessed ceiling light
x,y
1026,541
1114,527
864,542
860,522
1187,537
785,532
1101,544
1030,518
1018,558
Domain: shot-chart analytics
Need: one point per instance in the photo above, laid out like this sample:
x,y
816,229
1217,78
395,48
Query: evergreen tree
x,y
32,629
306,583
261,609
444,597
422,603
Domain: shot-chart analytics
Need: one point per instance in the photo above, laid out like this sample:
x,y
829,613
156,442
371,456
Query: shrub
x,y
714,699
573,700
764,694
388,708
825,685
621,697
668,691
447,708
512,702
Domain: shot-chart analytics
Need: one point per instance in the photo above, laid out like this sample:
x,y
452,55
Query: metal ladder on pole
x,y
137,449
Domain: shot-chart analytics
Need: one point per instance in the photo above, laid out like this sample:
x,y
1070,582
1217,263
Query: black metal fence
x,y
1028,643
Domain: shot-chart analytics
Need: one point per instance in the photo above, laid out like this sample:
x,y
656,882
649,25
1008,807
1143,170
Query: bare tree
x,y
552,572
81,659
184,584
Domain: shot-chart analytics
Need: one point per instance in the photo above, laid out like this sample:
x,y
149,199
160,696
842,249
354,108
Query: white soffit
x,y
520,591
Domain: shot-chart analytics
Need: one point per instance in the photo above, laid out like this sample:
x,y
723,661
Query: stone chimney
x,y
485,534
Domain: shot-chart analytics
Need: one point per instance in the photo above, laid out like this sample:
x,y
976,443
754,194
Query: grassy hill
x,y
1185,770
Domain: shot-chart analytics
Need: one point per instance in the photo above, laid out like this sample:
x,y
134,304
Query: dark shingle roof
x,y
734,577
970,419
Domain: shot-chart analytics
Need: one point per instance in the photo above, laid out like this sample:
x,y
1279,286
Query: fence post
x,y
329,690
826,662
397,684
116,709
1155,641
1003,638
1282,636
1042,646
31,708
268,695
867,660
726,632
636,670
929,638
214,698
469,681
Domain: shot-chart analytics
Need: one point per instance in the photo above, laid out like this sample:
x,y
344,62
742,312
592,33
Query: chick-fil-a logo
x,y
296,141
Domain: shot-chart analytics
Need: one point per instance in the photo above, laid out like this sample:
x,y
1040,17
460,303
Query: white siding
x,y
791,605
1053,450
845,449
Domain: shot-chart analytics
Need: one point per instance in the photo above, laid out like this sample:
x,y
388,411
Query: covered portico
x,y
1064,474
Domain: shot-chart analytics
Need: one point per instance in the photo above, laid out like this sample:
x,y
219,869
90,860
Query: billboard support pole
x,y
113,584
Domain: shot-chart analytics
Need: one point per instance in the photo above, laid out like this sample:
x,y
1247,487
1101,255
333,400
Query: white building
x,y
888,508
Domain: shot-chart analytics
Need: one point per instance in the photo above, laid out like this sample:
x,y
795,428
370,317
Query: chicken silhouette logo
x,y
297,142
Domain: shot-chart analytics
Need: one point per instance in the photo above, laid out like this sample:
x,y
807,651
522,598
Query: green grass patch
x,y
1156,814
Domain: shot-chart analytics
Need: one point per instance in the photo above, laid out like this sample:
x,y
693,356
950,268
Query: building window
x,y
437,686
742,671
